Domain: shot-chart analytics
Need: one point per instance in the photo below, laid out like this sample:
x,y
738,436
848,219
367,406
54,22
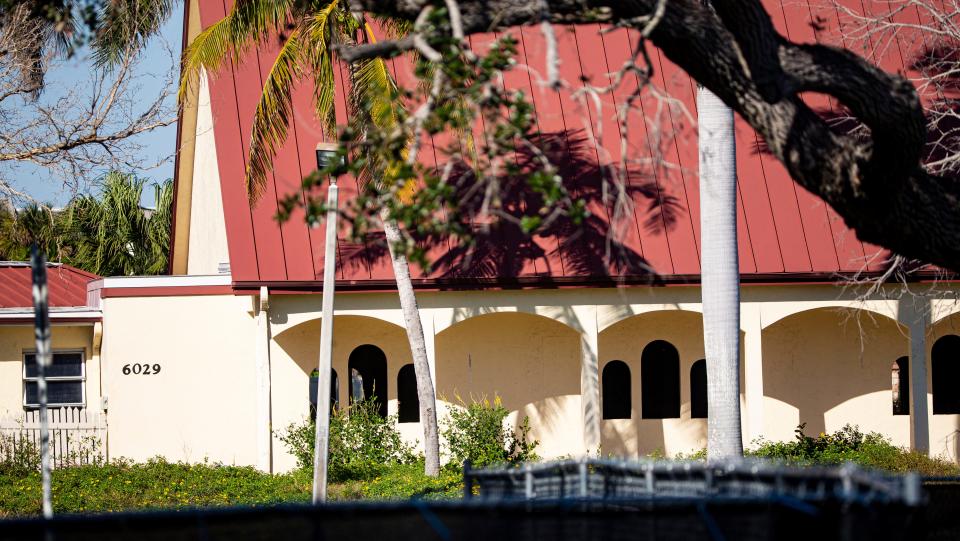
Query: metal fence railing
x,y
599,479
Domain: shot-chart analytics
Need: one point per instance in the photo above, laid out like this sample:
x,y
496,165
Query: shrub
x,y
362,443
406,481
477,433
18,456
870,450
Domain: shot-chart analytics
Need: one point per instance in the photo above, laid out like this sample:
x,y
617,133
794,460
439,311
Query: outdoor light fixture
x,y
325,153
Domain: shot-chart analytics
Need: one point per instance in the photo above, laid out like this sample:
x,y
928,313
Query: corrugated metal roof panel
x,y
66,285
783,228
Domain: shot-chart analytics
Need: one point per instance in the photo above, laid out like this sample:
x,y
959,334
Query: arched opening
x,y
828,367
946,374
900,382
408,402
368,376
698,390
660,381
530,362
334,392
615,392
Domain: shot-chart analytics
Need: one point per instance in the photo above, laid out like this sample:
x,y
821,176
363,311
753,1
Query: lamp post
x,y
325,153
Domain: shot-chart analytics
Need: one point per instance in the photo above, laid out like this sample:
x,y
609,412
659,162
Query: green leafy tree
x,y
112,235
34,223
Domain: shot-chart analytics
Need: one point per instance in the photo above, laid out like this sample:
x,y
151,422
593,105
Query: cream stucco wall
x,y
625,341
295,353
532,363
15,340
830,367
201,404
819,366
207,246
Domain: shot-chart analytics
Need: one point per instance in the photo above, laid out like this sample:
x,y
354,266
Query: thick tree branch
x,y
877,184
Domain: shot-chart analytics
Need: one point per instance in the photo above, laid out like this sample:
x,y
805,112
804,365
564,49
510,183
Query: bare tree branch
x,y
79,132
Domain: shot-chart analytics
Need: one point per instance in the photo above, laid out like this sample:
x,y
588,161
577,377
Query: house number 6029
x,y
141,369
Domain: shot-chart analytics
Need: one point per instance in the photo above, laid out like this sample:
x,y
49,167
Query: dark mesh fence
x,y
942,511
660,520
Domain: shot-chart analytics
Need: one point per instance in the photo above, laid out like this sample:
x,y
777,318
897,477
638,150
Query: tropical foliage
x,y
112,235
307,30
108,234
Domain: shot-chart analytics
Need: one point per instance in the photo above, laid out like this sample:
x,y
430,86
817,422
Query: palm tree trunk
x,y
720,274
411,316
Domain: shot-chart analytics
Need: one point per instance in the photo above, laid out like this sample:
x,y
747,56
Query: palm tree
x,y
308,29
720,274
113,235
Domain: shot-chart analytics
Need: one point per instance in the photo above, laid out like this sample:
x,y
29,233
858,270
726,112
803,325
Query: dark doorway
x,y
946,374
900,382
660,381
698,390
616,390
408,403
368,364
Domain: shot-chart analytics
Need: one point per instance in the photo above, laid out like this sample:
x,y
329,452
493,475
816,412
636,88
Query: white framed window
x,y
65,379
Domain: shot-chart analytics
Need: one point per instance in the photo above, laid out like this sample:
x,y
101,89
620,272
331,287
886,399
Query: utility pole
x,y
325,153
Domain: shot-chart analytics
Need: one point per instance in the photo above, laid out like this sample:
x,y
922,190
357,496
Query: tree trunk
x,y
720,274
411,317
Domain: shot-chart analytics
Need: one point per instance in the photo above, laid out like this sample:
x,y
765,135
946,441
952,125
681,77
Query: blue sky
x,y
158,144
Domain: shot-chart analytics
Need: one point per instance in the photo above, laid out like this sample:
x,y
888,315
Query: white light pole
x,y
325,153
41,326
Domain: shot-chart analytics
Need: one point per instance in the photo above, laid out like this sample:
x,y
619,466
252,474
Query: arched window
x,y
900,381
946,374
660,381
334,391
408,403
698,390
616,390
368,376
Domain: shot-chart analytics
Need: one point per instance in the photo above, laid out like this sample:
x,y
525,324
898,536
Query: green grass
x,y
158,484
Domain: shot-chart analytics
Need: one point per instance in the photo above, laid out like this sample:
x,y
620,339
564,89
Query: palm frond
x,y
320,33
126,25
247,23
272,117
393,28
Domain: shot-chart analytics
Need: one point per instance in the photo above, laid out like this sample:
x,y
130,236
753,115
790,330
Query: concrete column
x,y
913,311
752,322
590,379
264,429
430,341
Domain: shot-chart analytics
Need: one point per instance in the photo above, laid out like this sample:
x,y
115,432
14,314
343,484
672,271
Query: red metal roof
x,y
783,230
67,286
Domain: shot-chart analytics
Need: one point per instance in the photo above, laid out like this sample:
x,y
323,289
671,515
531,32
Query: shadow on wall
x,y
828,367
626,342
502,249
531,362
